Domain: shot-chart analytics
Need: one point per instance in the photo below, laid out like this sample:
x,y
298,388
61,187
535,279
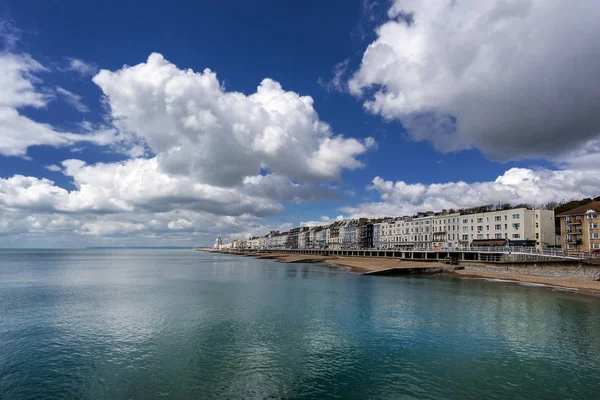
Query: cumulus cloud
x,y
199,129
514,78
515,186
205,161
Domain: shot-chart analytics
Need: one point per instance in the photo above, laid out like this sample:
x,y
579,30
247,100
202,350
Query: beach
x,y
570,279
563,282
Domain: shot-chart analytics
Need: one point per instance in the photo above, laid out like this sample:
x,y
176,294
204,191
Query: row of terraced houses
x,y
579,231
428,230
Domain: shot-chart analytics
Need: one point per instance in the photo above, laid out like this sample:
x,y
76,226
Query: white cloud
x,y
198,129
514,78
515,186
9,34
73,99
220,161
18,90
53,168
338,80
81,67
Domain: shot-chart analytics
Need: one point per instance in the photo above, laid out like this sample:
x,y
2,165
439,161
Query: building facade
x,y
579,228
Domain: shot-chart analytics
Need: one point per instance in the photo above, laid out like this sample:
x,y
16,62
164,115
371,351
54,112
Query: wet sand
x,y
370,264
564,282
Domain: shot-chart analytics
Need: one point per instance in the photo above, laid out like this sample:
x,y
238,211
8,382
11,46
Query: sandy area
x,y
307,258
369,264
572,283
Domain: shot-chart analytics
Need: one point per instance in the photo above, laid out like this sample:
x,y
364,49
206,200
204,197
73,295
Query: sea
x,y
184,324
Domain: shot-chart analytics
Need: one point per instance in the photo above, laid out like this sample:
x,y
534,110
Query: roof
x,y
595,205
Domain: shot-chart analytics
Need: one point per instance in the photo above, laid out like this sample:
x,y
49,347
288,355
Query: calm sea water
x,y
176,324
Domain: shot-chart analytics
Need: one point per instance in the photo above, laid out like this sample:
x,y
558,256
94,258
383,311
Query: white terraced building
x,y
517,225
377,235
446,230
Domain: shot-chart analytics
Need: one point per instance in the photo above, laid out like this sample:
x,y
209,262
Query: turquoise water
x,y
177,324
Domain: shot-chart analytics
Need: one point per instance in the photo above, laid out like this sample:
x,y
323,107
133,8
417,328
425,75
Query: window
x,y
465,237
498,236
465,229
593,215
487,235
479,219
465,221
505,226
516,226
506,217
506,236
480,228
537,225
497,218
480,236
471,228
516,236
594,236
516,216
487,219
487,227
593,226
537,235
498,226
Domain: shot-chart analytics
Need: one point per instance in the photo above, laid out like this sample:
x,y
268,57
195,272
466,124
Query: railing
x,y
484,251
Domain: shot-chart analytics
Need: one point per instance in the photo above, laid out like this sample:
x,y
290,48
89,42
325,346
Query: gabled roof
x,y
595,206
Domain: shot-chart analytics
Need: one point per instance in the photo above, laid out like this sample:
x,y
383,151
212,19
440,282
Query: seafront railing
x,y
521,251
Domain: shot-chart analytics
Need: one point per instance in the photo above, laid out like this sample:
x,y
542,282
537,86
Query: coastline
x,y
587,286
568,279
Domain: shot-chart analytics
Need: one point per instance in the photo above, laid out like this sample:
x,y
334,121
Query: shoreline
x,y
577,284
566,280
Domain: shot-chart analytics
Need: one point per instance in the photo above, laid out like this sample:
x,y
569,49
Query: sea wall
x,y
557,269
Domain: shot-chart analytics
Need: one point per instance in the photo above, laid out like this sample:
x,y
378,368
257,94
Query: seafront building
x,y
521,227
447,229
579,228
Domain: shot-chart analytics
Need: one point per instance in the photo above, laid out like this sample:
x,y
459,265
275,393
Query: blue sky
x,y
454,106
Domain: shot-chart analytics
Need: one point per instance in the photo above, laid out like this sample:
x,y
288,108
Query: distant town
x,y
573,230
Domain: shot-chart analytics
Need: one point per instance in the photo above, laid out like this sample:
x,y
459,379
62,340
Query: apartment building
x,y
419,230
446,230
365,236
389,234
318,237
579,228
377,235
519,226
304,238
333,240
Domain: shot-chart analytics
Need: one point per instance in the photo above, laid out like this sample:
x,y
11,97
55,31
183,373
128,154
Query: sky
x,y
141,123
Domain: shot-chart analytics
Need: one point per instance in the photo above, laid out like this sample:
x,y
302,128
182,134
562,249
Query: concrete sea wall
x,y
556,269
